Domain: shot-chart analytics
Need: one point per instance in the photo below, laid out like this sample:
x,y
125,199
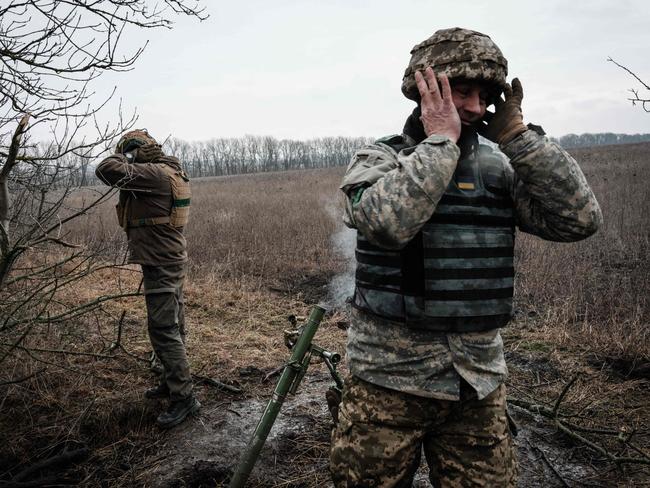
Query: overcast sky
x,y
302,69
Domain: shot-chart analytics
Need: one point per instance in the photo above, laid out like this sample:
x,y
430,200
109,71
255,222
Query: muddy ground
x,y
204,452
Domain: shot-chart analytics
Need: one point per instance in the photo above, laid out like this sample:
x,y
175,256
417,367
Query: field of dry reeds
x,y
261,248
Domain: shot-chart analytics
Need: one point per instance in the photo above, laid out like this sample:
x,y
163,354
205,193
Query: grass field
x,y
262,248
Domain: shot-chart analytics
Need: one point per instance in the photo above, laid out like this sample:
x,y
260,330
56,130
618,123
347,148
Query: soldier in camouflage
x,y
153,209
435,213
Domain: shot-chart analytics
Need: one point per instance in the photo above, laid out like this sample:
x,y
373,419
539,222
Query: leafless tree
x,y
51,52
248,154
636,98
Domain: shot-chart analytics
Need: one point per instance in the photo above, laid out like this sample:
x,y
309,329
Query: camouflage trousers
x,y
381,434
163,293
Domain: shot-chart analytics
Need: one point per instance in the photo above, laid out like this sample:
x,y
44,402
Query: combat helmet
x,y
132,140
459,53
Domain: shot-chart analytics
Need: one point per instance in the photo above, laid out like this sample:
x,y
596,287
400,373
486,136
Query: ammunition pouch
x,y
180,209
121,210
181,195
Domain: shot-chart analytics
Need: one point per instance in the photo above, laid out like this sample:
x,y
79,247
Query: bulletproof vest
x,y
180,208
457,273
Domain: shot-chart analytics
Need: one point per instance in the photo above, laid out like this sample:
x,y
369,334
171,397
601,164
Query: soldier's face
x,y
470,99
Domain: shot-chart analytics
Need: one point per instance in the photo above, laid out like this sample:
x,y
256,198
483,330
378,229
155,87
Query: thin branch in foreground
x,y
79,310
61,351
569,429
637,98
630,72
24,378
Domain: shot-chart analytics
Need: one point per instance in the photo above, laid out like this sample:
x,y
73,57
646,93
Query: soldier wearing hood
x,y
436,214
153,210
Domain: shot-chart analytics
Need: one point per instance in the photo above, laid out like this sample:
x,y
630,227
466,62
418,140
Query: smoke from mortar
x,y
343,242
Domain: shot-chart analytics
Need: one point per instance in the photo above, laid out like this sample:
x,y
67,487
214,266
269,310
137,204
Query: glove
x,y
148,153
507,121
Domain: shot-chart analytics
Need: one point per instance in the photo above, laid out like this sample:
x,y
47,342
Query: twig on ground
x,y
273,373
565,390
217,384
570,429
601,450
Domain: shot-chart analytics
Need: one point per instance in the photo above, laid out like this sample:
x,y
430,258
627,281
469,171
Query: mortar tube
x,y
248,459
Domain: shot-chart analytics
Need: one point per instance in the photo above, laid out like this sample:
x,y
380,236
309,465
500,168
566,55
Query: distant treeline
x,y
253,154
599,139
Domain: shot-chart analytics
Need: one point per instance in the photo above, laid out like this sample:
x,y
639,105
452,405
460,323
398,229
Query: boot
x,y
178,411
160,391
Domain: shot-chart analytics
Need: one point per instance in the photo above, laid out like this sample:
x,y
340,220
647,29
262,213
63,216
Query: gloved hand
x,y
507,121
147,153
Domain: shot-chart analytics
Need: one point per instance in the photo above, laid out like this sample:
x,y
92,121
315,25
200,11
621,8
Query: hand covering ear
x,y
507,121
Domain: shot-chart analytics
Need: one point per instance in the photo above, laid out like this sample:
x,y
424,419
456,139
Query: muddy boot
x,y
160,391
178,411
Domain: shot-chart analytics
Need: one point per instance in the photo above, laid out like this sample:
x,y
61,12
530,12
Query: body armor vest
x,y
457,273
180,209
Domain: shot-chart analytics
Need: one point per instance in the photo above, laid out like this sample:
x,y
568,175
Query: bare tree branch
x,y
558,419
5,201
645,102
51,53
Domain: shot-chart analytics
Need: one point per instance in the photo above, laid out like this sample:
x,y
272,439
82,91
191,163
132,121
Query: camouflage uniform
x,y
380,434
145,194
414,384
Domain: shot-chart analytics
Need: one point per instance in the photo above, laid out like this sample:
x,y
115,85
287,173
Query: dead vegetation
x,y
594,295
260,250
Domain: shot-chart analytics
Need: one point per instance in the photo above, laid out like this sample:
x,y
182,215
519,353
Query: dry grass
x,y
260,249
267,226
594,295
274,227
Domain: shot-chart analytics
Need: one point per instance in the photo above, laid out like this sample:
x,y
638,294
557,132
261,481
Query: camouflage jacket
x,y
391,195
